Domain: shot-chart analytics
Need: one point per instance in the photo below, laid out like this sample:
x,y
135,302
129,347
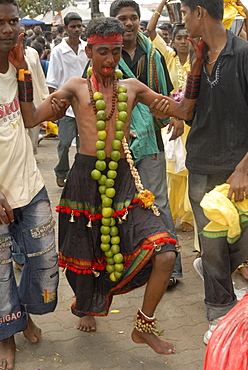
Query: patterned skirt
x,y
142,235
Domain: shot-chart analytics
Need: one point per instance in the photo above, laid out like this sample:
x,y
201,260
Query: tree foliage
x,y
33,8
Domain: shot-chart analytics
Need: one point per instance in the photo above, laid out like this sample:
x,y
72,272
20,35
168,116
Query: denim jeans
x,y
219,258
67,131
33,230
153,177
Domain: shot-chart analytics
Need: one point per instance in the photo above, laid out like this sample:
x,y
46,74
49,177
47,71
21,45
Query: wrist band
x,y
192,86
25,86
156,12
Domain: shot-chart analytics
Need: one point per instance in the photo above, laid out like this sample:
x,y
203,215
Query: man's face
x,y
74,29
181,42
130,20
105,58
166,36
9,27
190,19
37,31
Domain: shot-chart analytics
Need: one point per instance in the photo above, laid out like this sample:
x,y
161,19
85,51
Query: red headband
x,y
109,39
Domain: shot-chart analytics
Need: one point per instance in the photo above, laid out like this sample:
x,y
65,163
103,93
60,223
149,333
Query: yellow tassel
x,y
89,224
125,216
72,218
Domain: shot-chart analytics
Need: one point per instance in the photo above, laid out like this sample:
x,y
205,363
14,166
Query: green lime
x,y
114,231
100,165
102,180
95,174
101,115
100,104
105,230
119,125
109,254
110,192
115,155
117,274
110,260
107,211
113,165
116,144
106,221
103,196
115,240
111,174
107,202
101,154
110,268
100,125
122,97
105,239
122,89
119,73
102,189
89,71
115,248
100,144
97,95
119,135
112,276
122,106
118,258
122,116
102,136
105,247
110,183
112,221
119,267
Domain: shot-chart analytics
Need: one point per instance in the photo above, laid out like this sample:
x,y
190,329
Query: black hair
x,y
117,5
60,28
104,27
176,29
166,26
215,8
47,33
37,46
14,2
72,16
40,40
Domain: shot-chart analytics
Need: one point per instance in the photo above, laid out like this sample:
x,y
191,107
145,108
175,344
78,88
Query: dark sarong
x,y
141,234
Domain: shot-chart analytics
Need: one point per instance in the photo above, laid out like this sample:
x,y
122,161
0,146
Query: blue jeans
x,y
219,258
153,177
67,131
33,230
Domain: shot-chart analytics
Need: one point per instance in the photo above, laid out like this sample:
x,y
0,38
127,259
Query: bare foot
x,y
244,272
18,266
186,227
7,353
87,323
153,341
32,332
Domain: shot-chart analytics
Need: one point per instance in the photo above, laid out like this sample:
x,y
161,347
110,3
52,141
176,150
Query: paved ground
x,y
180,315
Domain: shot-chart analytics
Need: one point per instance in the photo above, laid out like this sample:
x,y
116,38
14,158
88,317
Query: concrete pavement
x,y
181,317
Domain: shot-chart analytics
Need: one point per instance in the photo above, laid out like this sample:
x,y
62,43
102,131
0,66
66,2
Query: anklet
x,y
144,323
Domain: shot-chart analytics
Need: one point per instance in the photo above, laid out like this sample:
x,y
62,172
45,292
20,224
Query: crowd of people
x,y
159,121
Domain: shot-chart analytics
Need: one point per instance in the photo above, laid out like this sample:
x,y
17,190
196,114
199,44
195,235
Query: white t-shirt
x,y
64,64
20,179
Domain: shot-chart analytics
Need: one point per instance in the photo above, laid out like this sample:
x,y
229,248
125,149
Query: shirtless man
x,y
148,251
81,203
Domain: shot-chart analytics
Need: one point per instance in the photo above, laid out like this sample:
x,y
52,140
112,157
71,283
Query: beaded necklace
x,y
110,239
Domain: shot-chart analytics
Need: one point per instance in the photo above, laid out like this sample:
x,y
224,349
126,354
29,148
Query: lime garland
x,y
110,239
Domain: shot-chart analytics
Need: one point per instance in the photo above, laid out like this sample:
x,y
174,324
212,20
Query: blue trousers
x,y
153,177
33,230
67,131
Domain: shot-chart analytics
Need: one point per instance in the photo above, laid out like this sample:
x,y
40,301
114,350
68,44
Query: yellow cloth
x,y
231,10
51,128
227,217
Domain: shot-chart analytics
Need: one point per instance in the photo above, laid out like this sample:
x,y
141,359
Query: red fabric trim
x,y
109,39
